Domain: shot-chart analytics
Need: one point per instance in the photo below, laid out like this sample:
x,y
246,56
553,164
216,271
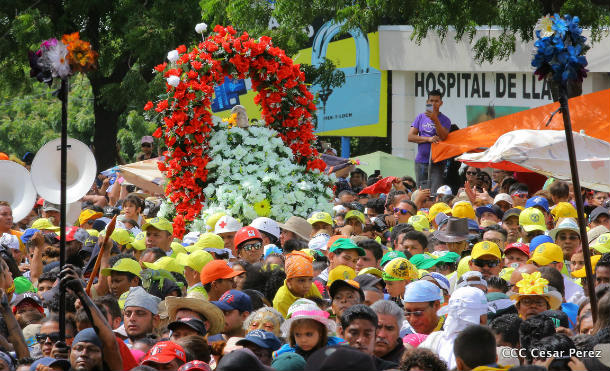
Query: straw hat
x,y
194,301
534,285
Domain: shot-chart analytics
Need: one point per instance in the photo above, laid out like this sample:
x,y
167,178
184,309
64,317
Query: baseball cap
x,y
207,240
23,284
49,206
195,260
485,248
391,255
340,272
87,215
44,224
70,232
597,212
421,291
122,236
511,212
28,234
503,197
125,265
227,224
288,362
262,338
351,284
444,190
234,299
538,201
194,323
166,263
346,244
147,139
580,273
139,241
546,254
463,209
602,244
217,269
399,269
564,210
320,216
439,207
532,219
10,241
494,209
159,223
523,247
419,222
165,352
355,214
27,296
50,362
538,240
368,281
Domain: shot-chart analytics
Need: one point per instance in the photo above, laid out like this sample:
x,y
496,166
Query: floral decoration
x,y
186,121
560,49
532,284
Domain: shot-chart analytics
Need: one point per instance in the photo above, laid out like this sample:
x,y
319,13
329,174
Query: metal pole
x,y
567,124
345,148
62,221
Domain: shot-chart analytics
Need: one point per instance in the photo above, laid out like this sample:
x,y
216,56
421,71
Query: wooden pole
x,y
98,260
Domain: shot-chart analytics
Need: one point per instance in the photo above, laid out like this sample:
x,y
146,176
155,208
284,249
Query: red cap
x,y
70,231
246,233
217,269
40,201
165,352
523,247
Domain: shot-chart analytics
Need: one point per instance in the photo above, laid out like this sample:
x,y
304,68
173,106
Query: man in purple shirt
x,y
427,128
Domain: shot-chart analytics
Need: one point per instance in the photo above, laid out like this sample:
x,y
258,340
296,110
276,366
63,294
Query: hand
x,y
470,191
432,115
485,197
543,362
24,267
563,330
434,139
399,185
390,220
576,364
70,280
347,230
422,196
106,183
38,239
60,350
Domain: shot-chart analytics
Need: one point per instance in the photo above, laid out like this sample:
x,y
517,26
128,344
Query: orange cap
x,y
215,270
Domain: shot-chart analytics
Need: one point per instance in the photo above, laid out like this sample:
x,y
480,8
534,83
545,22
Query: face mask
x,y
514,265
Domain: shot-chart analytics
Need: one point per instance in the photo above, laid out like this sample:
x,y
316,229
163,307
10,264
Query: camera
x,y
379,224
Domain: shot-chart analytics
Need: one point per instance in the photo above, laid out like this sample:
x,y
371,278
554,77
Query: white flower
x,y
172,56
173,81
201,28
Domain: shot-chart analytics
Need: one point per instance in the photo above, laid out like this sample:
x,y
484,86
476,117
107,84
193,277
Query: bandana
x,y
298,264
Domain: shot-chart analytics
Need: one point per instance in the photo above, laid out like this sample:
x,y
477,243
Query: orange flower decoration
x,y
80,55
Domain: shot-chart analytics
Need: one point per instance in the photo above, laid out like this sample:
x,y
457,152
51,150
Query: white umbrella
x,y
545,152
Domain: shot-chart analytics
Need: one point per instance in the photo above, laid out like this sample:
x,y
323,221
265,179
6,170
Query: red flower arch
x,y
287,106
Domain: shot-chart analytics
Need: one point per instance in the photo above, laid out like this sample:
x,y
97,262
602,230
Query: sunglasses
x,y
520,195
572,237
146,145
402,211
41,338
253,246
471,172
482,263
417,313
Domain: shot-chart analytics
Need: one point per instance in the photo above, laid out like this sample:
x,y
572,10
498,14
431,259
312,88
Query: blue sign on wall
x,y
227,94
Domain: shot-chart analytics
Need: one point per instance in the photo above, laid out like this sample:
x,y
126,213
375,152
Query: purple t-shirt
x,y
426,128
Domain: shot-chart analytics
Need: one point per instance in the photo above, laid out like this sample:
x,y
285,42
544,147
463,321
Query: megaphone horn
x,y
17,189
80,171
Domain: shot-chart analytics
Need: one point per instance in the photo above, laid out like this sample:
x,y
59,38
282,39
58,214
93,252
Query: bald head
x,y
517,275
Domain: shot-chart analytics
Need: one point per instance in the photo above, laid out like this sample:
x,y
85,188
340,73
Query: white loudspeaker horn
x,y
80,174
17,189
72,213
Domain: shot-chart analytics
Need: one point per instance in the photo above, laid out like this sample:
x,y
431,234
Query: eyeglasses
x,y
417,313
41,338
538,302
471,173
481,263
253,246
146,144
402,211
572,237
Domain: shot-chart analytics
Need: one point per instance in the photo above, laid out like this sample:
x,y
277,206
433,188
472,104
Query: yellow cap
x,y
87,215
419,222
320,216
166,263
159,223
355,214
93,232
207,240
139,242
177,248
340,272
399,269
564,210
485,248
463,266
213,219
546,253
532,219
371,270
126,265
44,224
463,209
582,273
121,236
196,260
602,243
439,207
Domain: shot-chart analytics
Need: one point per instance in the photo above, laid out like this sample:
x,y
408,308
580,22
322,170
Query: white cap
x,y
11,241
318,242
191,238
266,225
340,209
503,197
227,224
444,190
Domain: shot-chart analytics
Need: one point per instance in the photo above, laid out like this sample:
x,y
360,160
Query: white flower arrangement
x,y
200,28
172,56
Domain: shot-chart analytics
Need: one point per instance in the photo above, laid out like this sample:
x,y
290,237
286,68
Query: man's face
x,y
366,261
86,357
52,215
27,313
514,256
435,101
498,175
223,285
343,299
346,257
356,225
356,180
489,216
602,275
48,330
44,286
495,237
119,283
182,331
6,218
519,199
457,247
599,198
422,316
170,366
158,238
396,288
402,212
602,220
387,334
531,305
512,227
372,296
233,321
138,321
360,334
228,240
251,251
412,246
569,241
488,265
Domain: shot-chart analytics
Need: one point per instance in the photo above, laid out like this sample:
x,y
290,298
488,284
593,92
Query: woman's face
x,y
6,278
241,279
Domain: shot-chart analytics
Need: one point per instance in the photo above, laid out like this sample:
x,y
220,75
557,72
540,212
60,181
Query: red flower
x,y
160,67
196,65
181,49
149,105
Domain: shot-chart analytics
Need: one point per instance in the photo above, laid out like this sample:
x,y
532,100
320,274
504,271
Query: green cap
x,y
22,284
346,244
427,260
391,255
159,223
125,265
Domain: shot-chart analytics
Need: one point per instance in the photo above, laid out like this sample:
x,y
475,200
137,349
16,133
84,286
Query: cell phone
x,y
429,107
424,184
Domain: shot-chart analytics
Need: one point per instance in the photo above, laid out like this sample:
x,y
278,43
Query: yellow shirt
x,y
284,298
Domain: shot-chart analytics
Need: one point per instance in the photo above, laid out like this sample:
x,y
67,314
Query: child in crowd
x,y
299,281
307,329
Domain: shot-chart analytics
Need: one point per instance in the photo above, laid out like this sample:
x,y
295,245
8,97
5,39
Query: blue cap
x,y
538,240
421,291
538,201
441,280
50,362
28,234
234,299
263,339
472,224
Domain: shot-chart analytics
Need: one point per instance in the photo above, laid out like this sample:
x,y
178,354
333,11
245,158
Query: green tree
x,y
131,37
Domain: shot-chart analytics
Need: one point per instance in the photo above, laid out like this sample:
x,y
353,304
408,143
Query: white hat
x,y
444,190
11,241
266,225
191,238
503,197
466,303
319,242
227,224
340,209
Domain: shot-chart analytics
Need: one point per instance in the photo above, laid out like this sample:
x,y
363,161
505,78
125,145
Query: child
x,y
307,329
298,284
132,208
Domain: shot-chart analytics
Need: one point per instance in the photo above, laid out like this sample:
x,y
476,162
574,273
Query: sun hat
x,y
320,217
538,201
485,248
166,263
463,209
88,215
419,222
580,273
421,291
441,280
456,230
227,224
298,226
298,264
519,246
503,197
532,219
391,255
23,284
193,323
592,234
444,190
306,309
439,207
196,302
44,224
602,244
159,223
466,304
266,225
350,284
346,244
546,254
340,272
165,352
217,269
195,260
568,224
125,265
261,338
234,299
399,269
138,297
534,285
